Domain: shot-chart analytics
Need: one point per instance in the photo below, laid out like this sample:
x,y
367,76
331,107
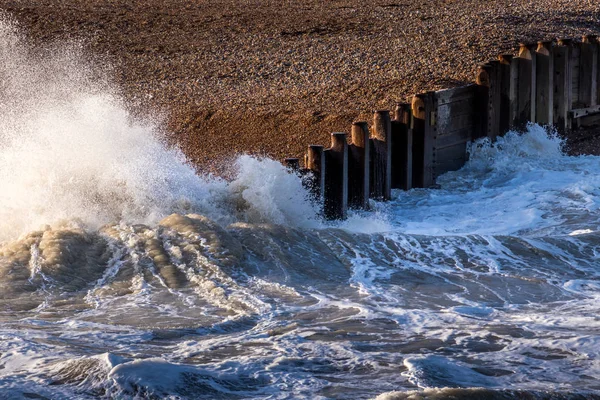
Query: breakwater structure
x,y
553,83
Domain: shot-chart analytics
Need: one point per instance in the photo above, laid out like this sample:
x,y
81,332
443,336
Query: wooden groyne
x,y
552,83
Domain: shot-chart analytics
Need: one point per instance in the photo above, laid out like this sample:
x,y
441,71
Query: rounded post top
x,y
483,76
527,46
505,58
338,140
382,113
546,44
565,41
526,50
418,105
292,162
401,112
588,38
360,133
421,96
544,47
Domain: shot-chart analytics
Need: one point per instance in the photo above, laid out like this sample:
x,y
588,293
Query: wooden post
x,y
424,116
532,53
482,102
574,62
544,83
292,163
402,138
562,83
315,162
505,90
381,172
598,71
525,87
588,72
495,99
336,177
359,166
488,75
515,68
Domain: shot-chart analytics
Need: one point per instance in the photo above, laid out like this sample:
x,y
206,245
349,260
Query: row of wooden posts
x,y
552,83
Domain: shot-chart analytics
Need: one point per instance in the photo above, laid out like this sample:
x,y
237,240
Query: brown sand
x,y
270,77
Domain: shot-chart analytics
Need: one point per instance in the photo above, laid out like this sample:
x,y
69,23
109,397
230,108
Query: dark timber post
x,y
574,62
505,88
292,163
544,83
525,107
561,83
358,166
495,99
482,102
424,118
598,71
588,72
488,76
315,162
336,177
402,148
532,53
381,173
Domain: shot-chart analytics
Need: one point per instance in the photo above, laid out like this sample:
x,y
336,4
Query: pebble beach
x,y
271,77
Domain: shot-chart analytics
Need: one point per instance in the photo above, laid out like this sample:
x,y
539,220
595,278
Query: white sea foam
x,y
522,184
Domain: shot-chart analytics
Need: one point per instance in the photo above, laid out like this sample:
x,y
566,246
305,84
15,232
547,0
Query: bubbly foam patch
x,y
521,184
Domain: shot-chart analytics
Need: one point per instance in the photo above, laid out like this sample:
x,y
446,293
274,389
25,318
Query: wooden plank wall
x,y
552,83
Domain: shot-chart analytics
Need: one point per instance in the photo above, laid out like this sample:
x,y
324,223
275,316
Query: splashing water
x,y
72,152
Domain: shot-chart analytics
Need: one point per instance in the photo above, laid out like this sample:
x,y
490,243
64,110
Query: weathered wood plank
x,y
495,96
484,113
292,163
402,141
505,87
561,83
574,62
585,117
359,166
418,128
525,87
588,71
544,83
455,94
336,178
451,158
381,163
315,162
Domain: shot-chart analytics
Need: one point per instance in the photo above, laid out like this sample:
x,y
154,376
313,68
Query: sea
x,y
125,273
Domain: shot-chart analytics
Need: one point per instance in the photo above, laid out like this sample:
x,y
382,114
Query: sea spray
x,y
72,154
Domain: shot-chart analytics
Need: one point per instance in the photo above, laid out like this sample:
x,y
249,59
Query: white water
x,y
71,152
490,281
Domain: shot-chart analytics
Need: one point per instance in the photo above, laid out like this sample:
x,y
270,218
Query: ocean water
x,y
126,274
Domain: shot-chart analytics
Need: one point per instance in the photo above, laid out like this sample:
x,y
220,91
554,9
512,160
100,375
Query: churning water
x,y
124,274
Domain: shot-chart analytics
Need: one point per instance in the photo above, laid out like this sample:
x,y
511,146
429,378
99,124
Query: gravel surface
x,y
270,77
